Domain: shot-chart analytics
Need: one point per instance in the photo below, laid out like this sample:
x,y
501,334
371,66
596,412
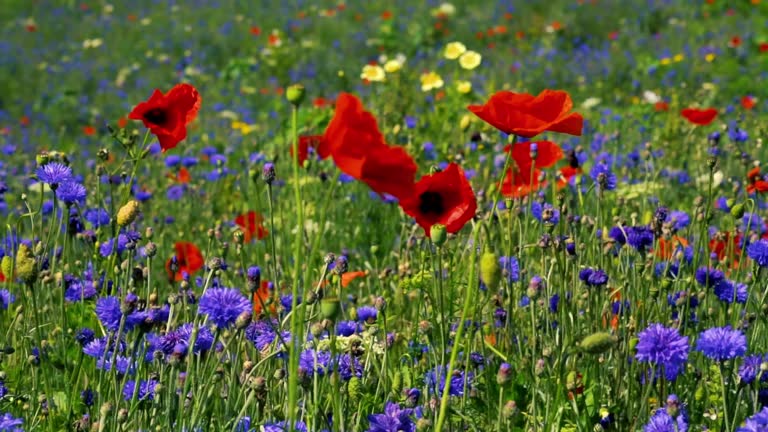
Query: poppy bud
x,y
490,271
598,343
295,94
127,213
438,234
330,308
737,210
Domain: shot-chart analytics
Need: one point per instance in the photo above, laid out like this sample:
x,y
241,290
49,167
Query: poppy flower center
x,y
156,116
431,203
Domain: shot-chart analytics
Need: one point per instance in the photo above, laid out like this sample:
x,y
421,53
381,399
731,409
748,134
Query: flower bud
x,y
504,374
127,213
509,410
598,343
490,271
268,173
737,210
438,234
295,94
243,320
330,308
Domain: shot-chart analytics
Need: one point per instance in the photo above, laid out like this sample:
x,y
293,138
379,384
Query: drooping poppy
x,y
445,197
167,115
188,260
700,117
252,225
305,143
358,148
524,115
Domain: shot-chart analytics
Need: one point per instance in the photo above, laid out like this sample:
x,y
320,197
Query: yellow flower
x,y
678,58
431,81
373,73
454,49
392,66
237,125
463,87
470,60
709,57
665,61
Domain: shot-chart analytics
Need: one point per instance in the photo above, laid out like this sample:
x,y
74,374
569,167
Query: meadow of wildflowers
x,y
383,216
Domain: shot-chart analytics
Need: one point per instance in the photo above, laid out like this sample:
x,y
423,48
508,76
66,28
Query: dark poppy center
x,y
156,116
431,203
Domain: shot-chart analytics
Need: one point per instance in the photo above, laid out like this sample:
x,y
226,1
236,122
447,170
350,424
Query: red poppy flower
x,y
443,198
735,42
661,106
763,47
89,130
305,142
722,242
122,122
167,115
667,248
353,139
260,298
566,173
520,181
701,117
255,30
2,277
547,153
756,182
525,115
182,177
748,102
252,225
188,260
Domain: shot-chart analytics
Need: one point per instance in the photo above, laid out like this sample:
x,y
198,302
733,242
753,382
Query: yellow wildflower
x,y
373,73
464,87
454,49
392,66
709,57
470,60
678,58
431,81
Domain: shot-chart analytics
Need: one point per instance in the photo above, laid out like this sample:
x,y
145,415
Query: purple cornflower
x,y
79,290
639,237
603,176
283,426
729,291
756,423
662,421
367,314
545,212
750,369
177,341
435,380
262,333
709,277
593,277
223,306
146,390
54,174
8,423
311,361
6,299
679,219
71,192
758,251
85,336
108,312
393,419
510,268
722,343
664,348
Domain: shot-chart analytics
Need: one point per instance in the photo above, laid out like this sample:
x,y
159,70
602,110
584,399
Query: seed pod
x,y
490,271
598,343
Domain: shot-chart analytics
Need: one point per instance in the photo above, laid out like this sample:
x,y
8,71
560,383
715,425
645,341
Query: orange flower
x,y
89,130
748,102
251,225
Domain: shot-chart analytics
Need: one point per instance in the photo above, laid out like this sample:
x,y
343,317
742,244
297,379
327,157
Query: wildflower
x,y
367,314
358,149
750,369
431,81
510,268
593,277
603,176
454,50
251,224
526,115
435,381
223,306
283,426
470,60
699,117
8,423
392,66
709,277
444,198
463,87
758,251
728,291
6,299
722,343
311,362
664,348
756,423
662,421
187,261
84,336
306,142
373,73
393,419
639,237
545,212
263,333
146,390
71,193
167,115
54,174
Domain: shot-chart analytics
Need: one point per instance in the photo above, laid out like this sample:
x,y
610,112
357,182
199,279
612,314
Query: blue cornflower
x,y
709,277
79,290
667,269
283,426
510,268
367,314
108,312
262,333
435,381
603,176
97,217
545,212
85,336
758,251
639,237
177,341
750,369
122,364
617,234
679,219
6,299
172,160
175,192
728,291
347,328
349,366
393,419
54,174
756,423
223,305
146,390
662,421
664,348
8,423
722,343
71,192
593,277
88,397
311,361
